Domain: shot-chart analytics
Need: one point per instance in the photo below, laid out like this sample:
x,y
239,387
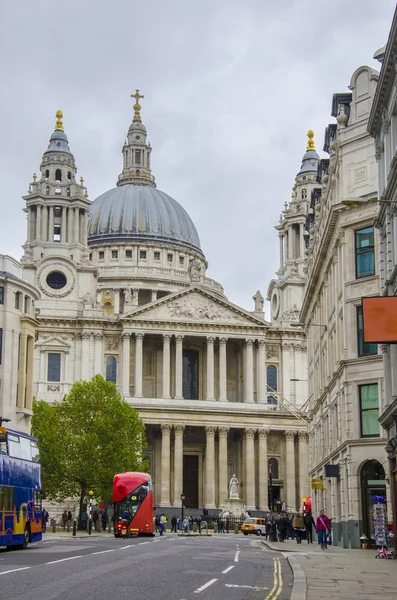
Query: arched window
x,y
47,174
58,175
273,467
304,194
69,176
68,191
271,372
111,369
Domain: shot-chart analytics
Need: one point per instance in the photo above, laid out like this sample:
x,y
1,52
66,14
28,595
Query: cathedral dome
x,y
140,213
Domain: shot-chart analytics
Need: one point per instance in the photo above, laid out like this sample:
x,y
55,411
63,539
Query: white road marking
x,y
236,557
14,570
227,570
203,587
249,587
124,547
53,562
103,551
141,543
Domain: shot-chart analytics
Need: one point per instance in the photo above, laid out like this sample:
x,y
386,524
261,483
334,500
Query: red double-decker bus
x,y
133,504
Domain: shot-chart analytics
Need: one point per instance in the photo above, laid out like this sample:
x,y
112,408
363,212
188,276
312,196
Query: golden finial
x,y
310,143
137,106
59,124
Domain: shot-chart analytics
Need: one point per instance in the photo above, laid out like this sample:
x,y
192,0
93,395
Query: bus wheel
x,y
26,538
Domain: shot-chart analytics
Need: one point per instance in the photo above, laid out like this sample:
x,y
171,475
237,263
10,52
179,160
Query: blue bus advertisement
x,y
20,489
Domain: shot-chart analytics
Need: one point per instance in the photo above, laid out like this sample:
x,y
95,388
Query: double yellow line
x,y
277,581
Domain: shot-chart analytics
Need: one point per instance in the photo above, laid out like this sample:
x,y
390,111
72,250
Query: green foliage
x,y
85,439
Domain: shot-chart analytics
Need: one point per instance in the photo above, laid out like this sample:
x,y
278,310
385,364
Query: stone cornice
x,y
334,455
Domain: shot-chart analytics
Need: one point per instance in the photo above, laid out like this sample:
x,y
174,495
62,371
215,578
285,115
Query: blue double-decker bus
x,y
20,489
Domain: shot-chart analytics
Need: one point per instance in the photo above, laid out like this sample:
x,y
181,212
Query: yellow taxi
x,y
254,525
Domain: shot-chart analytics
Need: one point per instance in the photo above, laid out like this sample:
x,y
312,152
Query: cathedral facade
x,y
124,293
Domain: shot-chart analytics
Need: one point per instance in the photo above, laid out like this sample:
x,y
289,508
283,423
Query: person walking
x,y
173,524
282,526
104,520
64,519
309,524
299,527
323,528
162,525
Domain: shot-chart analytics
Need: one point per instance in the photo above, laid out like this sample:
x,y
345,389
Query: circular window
x,y
56,280
137,137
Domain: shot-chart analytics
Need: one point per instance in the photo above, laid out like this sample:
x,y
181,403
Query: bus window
x,y
6,498
3,443
34,452
26,450
14,447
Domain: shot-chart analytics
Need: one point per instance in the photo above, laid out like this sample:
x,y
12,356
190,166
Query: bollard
x,y
74,527
89,527
236,529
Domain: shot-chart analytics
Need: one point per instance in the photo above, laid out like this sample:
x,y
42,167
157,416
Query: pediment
x,y
52,343
194,306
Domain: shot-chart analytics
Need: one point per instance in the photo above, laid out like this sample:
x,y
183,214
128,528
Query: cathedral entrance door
x,y
190,480
190,387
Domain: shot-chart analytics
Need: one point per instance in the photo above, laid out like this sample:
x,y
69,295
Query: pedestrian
x,y
157,523
323,528
104,520
64,519
95,518
309,524
282,525
162,525
173,524
221,526
44,520
299,527
178,523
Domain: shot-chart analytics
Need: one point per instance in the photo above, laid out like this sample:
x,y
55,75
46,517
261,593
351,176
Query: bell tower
x,y
56,205
286,292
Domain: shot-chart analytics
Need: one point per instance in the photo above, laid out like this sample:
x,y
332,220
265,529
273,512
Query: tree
x,y
85,439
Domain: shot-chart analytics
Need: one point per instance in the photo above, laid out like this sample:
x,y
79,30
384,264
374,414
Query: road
x,y
221,567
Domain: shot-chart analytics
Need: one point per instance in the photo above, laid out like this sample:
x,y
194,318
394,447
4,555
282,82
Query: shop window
x,y
111,369
54,367
364,252
363,348
369,410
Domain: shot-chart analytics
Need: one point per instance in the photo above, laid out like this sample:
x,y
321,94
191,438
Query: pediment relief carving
x,y
193,306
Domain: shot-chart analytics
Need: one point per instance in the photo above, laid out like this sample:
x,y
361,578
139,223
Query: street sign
x,y
317,484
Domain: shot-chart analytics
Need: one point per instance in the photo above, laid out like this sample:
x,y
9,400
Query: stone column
x,y
98,352
116,302
222,370
44,223
281,238
261,371
178,367
154,295
210,368
178,464
210,468
263,470
125,385
303,454
78,358
138,365
23,341
166,365
290,496
76,235
29,372
249,371
222,465
85,355
165,465
38,221
51,225
249,435
70,225
63,224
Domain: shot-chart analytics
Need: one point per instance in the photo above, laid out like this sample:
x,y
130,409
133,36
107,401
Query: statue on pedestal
x,y
233,487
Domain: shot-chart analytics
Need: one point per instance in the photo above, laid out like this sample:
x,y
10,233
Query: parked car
x,y
252,525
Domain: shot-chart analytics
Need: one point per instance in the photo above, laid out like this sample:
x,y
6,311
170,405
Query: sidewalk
x,y
337,573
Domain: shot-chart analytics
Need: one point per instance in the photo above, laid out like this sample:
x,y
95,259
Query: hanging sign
x,y
317,484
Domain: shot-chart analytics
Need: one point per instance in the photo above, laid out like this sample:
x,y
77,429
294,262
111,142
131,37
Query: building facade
x,y
17,337
383,127
346,392
124,293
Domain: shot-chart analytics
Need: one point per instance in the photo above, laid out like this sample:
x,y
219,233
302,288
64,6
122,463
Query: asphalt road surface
x,y
221,567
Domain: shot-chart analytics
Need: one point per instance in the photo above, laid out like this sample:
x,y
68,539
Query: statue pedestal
x,y
234,507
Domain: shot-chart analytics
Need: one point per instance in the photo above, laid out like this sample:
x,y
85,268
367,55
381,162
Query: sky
x,y
231,88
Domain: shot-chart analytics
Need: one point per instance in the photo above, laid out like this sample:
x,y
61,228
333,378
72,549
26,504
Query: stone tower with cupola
x,y
286,292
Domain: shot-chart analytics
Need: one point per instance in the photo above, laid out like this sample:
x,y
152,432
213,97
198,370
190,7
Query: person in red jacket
x,y
323,528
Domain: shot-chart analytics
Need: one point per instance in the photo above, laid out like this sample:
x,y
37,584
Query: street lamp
x,y
182,507
90,494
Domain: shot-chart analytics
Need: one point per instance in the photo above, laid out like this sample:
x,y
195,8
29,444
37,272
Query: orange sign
x,y
380,319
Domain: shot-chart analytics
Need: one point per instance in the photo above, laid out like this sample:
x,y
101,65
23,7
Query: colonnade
x,y
73,222
215,477
249,356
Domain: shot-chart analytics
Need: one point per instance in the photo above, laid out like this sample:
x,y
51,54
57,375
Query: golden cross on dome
x,y
59,124
310,143
137,106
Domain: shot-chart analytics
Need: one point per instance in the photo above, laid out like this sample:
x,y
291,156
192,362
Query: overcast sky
x,y
231,88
